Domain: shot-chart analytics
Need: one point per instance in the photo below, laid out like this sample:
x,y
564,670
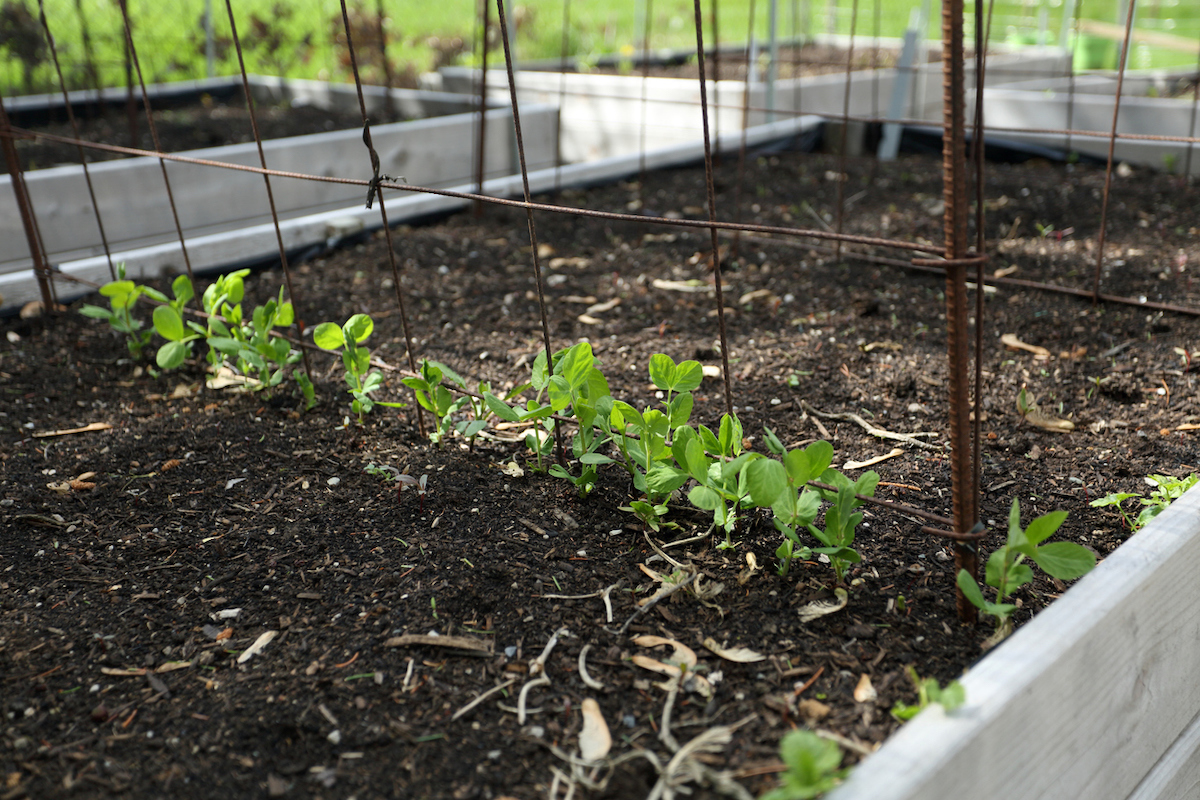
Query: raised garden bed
x,y
1086,104
210,502
605,114
212,202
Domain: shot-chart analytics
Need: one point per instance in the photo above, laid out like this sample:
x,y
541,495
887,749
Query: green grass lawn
x,y
305,38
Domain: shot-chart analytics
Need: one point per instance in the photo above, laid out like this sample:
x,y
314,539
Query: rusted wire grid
x,y
900,244
533,240
842,176
387,229
37,252
1112,146
711,195
955,229
87,173
131,48
770,230
262,159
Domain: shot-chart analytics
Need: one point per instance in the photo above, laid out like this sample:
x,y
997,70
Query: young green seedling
x,y
949,697
170,325
436,398
813,767
578,384
783,488
361,379
122,296
1007,571
1167,489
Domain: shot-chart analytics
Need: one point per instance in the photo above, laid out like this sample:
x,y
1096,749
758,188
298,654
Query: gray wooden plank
x,y
1082,702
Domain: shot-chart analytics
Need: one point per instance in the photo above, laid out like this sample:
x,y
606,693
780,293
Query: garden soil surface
x,y
144,565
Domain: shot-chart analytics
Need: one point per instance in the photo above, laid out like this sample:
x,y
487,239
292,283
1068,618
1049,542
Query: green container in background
x,y
1094,52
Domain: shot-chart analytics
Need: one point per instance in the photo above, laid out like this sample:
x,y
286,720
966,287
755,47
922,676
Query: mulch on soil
x,y
127,606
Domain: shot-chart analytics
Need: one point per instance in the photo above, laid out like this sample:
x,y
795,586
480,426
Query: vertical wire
x,y
646,25
387,229
1071,77
87,174
41,269
1112,145
562,93
389,103
137,65
482,128
843,177
712,209
716,75
741,165
982,34
533,240
1187,159
262,159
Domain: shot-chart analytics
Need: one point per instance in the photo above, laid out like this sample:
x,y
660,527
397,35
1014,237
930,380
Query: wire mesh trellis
x,y
954,257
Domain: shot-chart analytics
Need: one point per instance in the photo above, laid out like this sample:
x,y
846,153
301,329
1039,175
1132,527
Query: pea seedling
x,y
361,379
1006,571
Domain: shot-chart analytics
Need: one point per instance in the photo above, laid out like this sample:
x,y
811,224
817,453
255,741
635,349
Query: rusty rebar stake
x,y
957,343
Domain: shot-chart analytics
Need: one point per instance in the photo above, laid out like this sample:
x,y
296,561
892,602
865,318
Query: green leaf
x,y
766,480
560,393
154,294
116,289
576,365
169,324
224,344
417,384
328,336
952,696
358,328
688,375
558,472
171,354
96,312
773,442
181,287
1044,527
285,315
449,373
1108,500
662,480
704,498
540,376
680,409
711,445
662,370
500,408
1065,560
820,456
970,589
594,458
697,462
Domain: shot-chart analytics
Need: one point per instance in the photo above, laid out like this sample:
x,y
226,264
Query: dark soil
x,y
216,517
209,123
